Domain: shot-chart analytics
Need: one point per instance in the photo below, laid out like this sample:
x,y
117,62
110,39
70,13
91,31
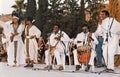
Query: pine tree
x,y
41,16
31,8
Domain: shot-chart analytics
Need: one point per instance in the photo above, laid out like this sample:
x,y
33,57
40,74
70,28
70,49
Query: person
x,y
92,41
15,49
111,30
31,46
3,52
99,34
80,40
57,40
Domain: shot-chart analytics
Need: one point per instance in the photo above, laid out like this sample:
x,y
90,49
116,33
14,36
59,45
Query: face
x,y
85,30
102,15
15,20
28,23
55,28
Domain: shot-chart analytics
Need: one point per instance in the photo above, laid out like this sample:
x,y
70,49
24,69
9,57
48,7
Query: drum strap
x,y
63,44
110,27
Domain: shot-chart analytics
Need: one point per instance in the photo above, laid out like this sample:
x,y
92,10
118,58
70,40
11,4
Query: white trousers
x,y
92,57
59,55
76,62
109,50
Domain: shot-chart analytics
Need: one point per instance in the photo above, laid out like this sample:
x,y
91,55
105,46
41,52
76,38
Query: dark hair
x,y
84,25
16,14
29,19
57,25
106,12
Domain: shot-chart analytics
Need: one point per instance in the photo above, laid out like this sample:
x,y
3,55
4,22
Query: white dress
x,y
20,53
33,46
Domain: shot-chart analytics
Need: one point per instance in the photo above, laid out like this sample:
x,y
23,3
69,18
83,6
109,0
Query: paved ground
x,y
7,71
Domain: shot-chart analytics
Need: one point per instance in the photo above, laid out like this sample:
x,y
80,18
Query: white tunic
x,y
33,46
81,37
20,57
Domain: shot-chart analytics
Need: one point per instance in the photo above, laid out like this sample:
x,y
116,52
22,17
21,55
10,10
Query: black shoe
x,y
109,70
26,65
48,68
87,68
31,65
77,67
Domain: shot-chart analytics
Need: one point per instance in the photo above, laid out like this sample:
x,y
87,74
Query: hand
x,y
33,36
57,38
11,38
1,35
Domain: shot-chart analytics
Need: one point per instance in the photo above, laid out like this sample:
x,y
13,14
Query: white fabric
x,y
110,47
59,51
33,46
75,55
20,46
93,52
98,32
81,37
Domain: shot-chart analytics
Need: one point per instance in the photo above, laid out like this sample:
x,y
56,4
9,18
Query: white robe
x,y
33,46
20,58
110,47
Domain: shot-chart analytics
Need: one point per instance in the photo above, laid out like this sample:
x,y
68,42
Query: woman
x,y
16,55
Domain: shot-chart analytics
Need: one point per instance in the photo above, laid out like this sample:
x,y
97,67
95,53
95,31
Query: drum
x,y
84,57
83,48
117,60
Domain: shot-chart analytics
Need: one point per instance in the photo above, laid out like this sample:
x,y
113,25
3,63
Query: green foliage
x,y
18,8
41,16
31,8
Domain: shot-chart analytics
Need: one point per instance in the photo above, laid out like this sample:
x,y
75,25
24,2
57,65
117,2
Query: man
x,y
111,30
15,50
58,41
80,40
92,41
31,46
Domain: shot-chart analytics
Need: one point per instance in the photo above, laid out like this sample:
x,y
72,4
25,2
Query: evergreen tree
x,y
31,8
41,16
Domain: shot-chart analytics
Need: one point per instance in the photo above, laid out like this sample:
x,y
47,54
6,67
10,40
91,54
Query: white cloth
x,y
33,46
98,32
20,57
110,47
81,37
93,52
59,52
